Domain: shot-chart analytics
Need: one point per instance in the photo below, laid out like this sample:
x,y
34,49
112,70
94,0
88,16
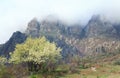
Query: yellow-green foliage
x,y
3,60
36,50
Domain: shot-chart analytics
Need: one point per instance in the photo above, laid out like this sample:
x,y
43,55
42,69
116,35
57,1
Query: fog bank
x,y
15,14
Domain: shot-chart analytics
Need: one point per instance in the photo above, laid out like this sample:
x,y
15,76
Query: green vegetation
x,y
106,71
3,60
38,54
38,58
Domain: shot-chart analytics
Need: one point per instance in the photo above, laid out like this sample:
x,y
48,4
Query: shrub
x,y
37,53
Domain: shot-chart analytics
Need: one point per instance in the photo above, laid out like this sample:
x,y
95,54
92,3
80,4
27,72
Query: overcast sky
x,y
15,14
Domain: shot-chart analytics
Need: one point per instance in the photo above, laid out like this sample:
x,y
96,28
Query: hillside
x,y
91,51
98,36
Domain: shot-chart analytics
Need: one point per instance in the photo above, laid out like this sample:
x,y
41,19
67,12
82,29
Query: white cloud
x,y
14,14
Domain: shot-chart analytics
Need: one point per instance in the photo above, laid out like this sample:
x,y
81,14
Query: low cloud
x,y
15,14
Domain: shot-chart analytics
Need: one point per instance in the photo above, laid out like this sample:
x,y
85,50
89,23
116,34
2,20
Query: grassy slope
x,y
102,71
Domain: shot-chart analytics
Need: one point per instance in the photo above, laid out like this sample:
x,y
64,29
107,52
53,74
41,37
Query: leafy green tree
x,y
38,53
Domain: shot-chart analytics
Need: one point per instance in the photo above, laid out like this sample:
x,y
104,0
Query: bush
x,y
4,73
117,62
13,71
38,53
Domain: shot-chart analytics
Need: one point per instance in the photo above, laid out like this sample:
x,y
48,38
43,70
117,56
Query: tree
x,y
37,53
3,60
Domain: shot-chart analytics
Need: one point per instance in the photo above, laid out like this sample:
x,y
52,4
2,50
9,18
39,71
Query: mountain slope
x,y
74,39
99,26
9,46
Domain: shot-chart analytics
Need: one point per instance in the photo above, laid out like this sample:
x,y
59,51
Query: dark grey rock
x,y
99,26
33,28
9,46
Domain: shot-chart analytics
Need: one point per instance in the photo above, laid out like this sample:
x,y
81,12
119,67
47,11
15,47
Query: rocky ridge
x,y
75,39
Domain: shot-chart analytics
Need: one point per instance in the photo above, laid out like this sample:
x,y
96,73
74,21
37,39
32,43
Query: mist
x,y
15,14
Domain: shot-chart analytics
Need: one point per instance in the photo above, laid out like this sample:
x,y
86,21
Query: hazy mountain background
x,y
98,36
87,31
79,27
14,14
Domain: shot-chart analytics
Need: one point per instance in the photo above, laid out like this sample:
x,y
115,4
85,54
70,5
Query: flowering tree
x,y
38,53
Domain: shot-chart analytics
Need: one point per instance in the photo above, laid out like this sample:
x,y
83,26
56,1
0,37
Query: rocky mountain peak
x,y
33,28
98,18
100,26
65,36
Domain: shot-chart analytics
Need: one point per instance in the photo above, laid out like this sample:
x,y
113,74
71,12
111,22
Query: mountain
x,y
54,30
98,26
9,46
117,27
33,28
97,37
51,26
96,46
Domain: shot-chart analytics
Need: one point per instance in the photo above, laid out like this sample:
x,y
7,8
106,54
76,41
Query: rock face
x,y
75,31
33,28
94,46
99,26
55,31
117,27
9,46
50,28
74,39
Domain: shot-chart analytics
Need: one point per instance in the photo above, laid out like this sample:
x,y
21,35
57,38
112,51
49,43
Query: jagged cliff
x,y
9,46
74,39
99,26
